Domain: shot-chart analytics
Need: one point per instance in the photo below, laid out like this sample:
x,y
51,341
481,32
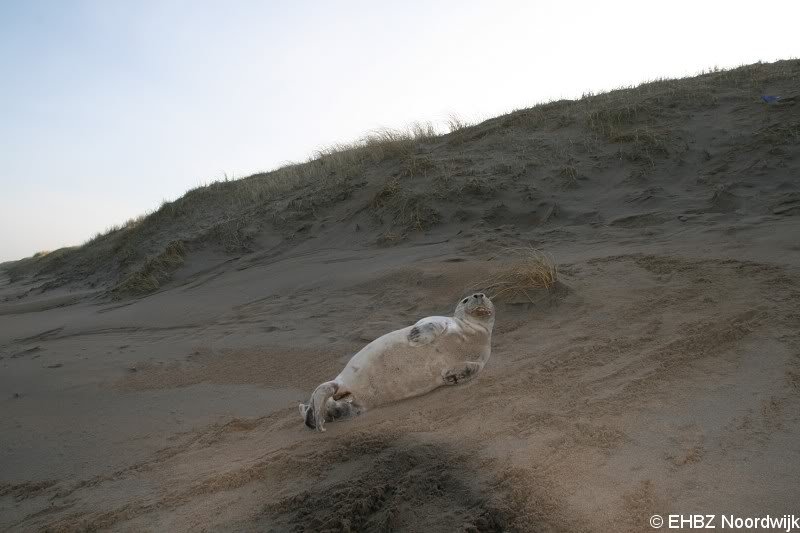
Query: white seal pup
x,y
435,351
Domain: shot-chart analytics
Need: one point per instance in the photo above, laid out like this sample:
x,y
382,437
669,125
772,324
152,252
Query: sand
x,y
663,376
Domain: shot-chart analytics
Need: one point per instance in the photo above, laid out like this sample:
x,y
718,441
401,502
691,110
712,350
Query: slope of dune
x,y
150,377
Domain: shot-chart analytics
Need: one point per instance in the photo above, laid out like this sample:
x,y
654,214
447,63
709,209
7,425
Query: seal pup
x,y
434,352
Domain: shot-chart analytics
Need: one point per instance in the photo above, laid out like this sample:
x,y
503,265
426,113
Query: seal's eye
x,y
464,301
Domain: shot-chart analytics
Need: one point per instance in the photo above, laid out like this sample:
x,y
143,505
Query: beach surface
x,y
661,375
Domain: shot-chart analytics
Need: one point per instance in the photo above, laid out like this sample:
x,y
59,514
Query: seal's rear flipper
x,y
315,414
461,373
304,409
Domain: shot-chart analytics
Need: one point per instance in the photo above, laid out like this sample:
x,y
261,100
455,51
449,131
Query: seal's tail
x,y
314,412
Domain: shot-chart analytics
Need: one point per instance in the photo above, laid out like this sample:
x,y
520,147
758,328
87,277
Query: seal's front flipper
x,y
461,374
426,330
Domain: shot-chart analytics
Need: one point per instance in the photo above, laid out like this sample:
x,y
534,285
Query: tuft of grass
x,y
129,224
527,269
553,115
153,273
408,211
462,131
389,238
376,146
455,123
570,176
609,118
232,234
450,188
656,142
416,165
479,187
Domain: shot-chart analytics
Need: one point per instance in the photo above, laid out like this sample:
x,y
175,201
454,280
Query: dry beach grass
x,y
524,269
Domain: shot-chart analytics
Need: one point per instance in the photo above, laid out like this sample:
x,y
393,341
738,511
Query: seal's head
x,y
476,308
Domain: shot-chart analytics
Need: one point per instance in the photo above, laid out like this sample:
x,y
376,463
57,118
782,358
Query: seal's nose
x,y
478,295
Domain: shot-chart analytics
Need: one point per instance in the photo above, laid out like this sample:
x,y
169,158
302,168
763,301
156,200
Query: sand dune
x,y
661,376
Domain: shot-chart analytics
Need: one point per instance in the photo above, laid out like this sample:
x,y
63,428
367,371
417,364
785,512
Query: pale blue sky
x,y
109,107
